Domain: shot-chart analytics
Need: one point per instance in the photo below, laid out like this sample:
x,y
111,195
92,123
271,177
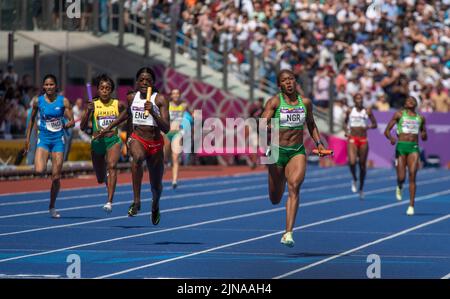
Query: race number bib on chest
x,y
410,126
54,124
292,117
105,121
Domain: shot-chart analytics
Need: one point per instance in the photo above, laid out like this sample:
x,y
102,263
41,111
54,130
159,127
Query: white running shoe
x,y
288,240
54,213
353,186
410,211
398,193
361,195
108,207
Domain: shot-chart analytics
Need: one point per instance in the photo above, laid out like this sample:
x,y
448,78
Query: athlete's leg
x,y
155,165
352,154
176,150
362,154
277,183
99,164
40,160
401,170
413,163
57,163
112,158
295,174
138,154
167,149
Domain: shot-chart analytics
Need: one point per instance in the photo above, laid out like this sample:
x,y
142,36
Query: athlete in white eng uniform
x,y
356,126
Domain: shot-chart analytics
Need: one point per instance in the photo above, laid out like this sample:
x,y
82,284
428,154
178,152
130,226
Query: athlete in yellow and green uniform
x,y
105,151
172,142
409,125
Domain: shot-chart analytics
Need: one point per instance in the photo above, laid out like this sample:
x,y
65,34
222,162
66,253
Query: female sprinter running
x,y
356,130
291,112
172,144
105,151
52,108
145,142
409,125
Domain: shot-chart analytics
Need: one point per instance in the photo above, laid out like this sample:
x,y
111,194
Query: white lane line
x,y
244,199
46,276
206,178
217,221
216,183
390,237
306,190
446,276
184,195
272,234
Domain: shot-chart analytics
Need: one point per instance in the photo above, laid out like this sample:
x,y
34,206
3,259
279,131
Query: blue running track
x,y
227,228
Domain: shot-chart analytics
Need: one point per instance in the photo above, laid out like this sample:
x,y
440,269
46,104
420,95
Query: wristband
x,y
318,142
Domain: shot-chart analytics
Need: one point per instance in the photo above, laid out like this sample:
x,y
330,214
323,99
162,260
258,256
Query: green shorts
x,y
102,145
172,134
285,153
404,148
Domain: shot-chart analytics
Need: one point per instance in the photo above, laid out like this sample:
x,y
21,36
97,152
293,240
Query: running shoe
x,y
354,186
156,216
288,240
410,211
361,195
134,209
174,185
54,213
398,193
108,207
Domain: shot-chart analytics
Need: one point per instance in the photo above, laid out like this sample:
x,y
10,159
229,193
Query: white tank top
x,y
137,109
357,118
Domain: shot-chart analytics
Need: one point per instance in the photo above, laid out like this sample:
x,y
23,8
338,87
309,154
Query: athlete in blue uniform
x,y
51,108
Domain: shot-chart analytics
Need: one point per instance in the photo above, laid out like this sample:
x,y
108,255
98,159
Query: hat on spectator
x,y
330,35
420,47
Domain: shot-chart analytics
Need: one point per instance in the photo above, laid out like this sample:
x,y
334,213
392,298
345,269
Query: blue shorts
x,y
51,145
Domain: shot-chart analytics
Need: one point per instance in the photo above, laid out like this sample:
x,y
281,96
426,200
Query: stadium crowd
x,y
335,48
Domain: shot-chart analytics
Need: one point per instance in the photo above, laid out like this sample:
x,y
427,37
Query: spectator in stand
x,y
382,104
321,88
441,99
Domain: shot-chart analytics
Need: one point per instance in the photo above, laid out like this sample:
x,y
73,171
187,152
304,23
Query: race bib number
x,y
292,117
105,121
410,127
54,125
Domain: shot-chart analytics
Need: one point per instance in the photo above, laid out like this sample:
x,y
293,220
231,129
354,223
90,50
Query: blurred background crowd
x,y
335,48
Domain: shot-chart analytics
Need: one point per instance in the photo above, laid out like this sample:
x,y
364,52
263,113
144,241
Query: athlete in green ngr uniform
x,y
409,124
291,113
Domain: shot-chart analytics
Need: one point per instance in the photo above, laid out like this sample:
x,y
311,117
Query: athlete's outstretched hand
x,y
392,140
69,124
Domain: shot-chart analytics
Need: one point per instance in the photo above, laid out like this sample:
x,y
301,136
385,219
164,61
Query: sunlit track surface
x,y
227,228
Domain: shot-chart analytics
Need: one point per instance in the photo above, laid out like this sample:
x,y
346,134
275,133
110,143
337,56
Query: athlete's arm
x,y
163,120
270,108
372,118
34,112
86,116
390,125
68,112
423,130
312,128
347,114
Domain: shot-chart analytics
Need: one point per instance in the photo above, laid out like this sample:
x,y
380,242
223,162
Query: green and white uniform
x,y
408,125
289,117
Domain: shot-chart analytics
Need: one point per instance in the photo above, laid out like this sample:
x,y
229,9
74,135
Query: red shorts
x,y
358,141
150,146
